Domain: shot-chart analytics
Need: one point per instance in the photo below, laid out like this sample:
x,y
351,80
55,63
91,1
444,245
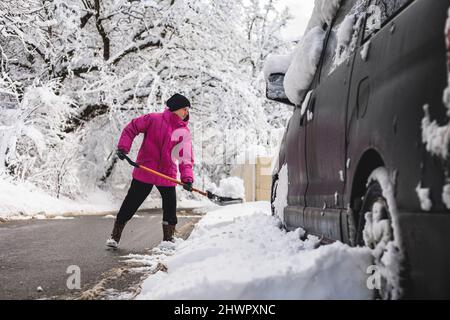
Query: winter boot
x,y
168,231
113,242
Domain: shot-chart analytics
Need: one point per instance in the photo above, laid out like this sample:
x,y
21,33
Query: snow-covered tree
x,y
263,37
74,72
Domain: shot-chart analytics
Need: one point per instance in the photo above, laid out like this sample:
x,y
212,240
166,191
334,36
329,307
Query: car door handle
x,y
363,95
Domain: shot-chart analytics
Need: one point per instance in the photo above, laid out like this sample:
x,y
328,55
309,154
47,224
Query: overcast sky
x,y
301,10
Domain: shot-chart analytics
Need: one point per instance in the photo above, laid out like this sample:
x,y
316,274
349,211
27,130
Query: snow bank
x,y
25,201
232,187
304,65
239,252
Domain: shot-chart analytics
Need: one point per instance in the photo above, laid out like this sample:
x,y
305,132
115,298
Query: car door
x,y
326,127
296,163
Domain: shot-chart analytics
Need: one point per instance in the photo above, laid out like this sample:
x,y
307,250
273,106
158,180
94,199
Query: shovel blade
x,y
223,201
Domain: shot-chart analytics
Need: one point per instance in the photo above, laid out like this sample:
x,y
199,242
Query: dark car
x,y
379,114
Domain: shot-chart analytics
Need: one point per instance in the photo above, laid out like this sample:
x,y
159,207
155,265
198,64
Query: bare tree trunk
x,y
102,32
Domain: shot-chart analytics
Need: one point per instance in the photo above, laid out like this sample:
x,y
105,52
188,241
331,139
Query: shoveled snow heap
x,y
239,252
232,187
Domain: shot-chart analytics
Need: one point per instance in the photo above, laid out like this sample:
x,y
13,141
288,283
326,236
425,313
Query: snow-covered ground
x,y
240,252
25,201
232,187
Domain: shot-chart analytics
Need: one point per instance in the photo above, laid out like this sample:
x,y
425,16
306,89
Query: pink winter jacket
x,y
166,139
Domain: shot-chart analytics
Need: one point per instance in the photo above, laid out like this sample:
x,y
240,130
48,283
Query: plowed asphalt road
x,y
37,253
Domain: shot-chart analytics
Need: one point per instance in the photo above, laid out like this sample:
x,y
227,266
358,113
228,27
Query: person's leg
x,y
169,204
136,195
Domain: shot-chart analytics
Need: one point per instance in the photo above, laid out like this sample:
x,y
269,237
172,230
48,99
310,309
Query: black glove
x,y
120,154
187,186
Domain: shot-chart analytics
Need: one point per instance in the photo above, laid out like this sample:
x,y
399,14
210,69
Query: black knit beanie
x,y
177,101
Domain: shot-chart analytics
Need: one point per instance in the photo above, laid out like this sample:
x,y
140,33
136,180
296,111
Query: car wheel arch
x,y
370,160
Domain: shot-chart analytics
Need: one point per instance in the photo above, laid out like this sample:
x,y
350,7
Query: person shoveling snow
x,y
164,134
156,153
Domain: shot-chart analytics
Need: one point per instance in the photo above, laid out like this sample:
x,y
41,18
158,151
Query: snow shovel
x,y
223,201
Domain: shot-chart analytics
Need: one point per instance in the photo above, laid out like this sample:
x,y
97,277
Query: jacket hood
x,y
174,119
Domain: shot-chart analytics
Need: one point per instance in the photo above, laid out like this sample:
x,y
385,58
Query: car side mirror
x,y
275,89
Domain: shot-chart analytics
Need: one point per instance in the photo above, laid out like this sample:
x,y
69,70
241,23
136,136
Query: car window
x,y
380,12
343,36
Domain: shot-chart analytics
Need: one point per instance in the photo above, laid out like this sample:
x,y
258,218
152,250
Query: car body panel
x,y
368,113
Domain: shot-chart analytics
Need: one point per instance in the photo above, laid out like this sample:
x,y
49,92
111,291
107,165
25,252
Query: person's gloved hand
x,y
120,154
187,186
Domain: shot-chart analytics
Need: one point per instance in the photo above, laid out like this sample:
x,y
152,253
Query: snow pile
x,y
304,65
183,201
281,195
25,201
231,255
232,187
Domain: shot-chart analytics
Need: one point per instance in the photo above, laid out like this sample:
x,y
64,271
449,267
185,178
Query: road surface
x,y
38,253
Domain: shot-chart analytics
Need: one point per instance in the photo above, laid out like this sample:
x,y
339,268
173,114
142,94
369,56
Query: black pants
x,y
136,195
